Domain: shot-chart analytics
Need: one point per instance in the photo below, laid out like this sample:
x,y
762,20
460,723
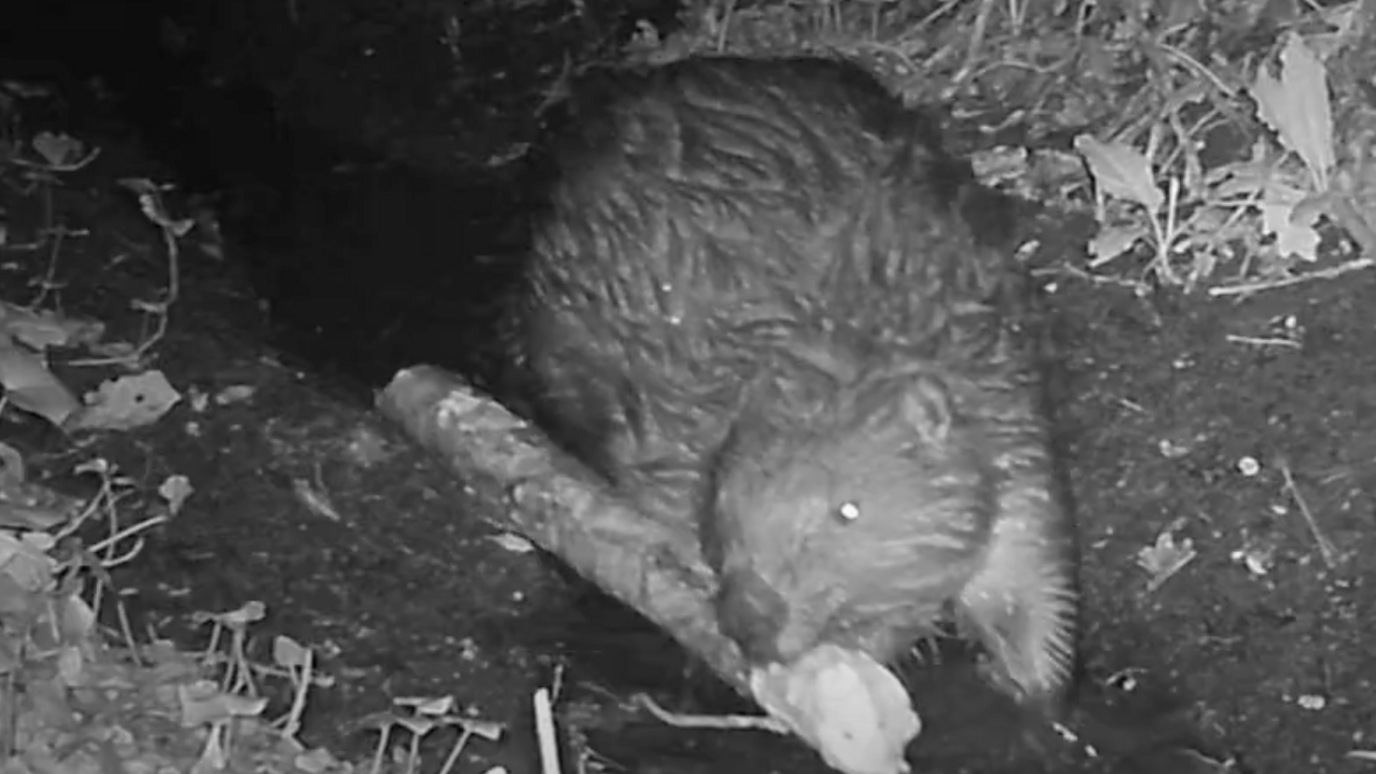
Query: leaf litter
x,y
1260,215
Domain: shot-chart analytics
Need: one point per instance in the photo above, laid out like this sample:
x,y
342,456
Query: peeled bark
x,y
561,507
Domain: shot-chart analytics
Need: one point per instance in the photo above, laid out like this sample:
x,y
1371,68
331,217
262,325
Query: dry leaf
x,y
41,330
31,386
202,702
128,402
1120,171
58,149
1297,107
1293,235
1113,241
287,652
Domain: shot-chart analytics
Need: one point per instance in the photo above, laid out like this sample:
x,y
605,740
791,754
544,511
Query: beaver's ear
x,y
926,408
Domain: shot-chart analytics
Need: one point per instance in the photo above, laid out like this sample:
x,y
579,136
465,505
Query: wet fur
x,y
754,304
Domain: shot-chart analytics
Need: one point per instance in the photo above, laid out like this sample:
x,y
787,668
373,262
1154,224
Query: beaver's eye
x,y
848,511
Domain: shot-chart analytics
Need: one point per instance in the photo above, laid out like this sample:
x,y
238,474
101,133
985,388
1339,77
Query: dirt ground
x,y
367,228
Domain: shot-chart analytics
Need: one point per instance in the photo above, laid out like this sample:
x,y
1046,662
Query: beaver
x,y
757,304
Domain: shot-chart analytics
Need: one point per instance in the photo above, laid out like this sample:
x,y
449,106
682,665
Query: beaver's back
x,y
718,219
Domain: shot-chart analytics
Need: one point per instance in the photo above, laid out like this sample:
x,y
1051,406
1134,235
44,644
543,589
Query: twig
x,y
1260,341
725,22
942,10
1194,65
123,534
302,683
544,727
150,203
680,720
1252,287
72,166
1351,219
1326,549
49,280
1138,287
452,761
126,630
977,33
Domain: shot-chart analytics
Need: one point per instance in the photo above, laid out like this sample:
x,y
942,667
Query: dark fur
x,y
757,306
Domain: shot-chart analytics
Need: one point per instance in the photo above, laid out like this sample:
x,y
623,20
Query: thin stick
x,y
681,720
544,730
1326,549
1252,287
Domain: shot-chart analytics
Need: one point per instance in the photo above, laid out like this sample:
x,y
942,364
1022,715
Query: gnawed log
x,y
561,507
850,709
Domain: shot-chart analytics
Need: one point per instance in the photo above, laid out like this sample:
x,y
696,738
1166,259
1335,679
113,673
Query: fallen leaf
x,y
203,703
30,386
1297,107
127,402
1121,171
1293,235
42,330
287,652
1113,241
58,149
